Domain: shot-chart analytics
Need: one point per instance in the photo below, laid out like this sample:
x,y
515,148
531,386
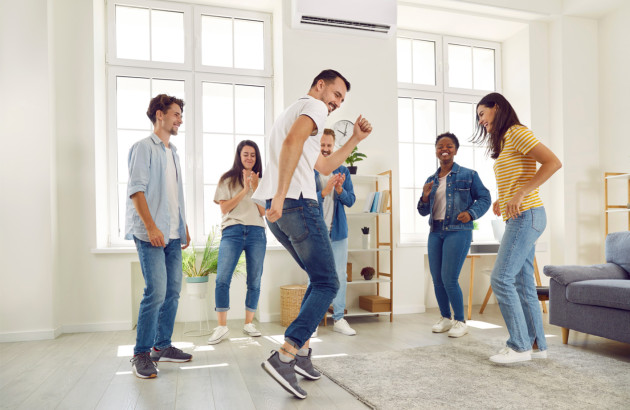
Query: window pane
x,y
174,88
459,66
125,140
483,165
426,163
405,120
122,209
216,41
424,62
132,100
132,33
211,211
405,164
464,157
179,141
424,120
420,222
461,121
404,60
218,155
218,108
483,68
408,206
248,44
249,109
167,36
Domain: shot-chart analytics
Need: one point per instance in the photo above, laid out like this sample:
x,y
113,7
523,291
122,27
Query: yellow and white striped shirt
x,y
513,169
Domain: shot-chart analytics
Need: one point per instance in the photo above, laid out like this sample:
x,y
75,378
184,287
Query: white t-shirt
x,y
172,194
329,204
439,202
302,182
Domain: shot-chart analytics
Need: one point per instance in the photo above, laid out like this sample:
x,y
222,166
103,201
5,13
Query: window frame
x,y
439,76
475,44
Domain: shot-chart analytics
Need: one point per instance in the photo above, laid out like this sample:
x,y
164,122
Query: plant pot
x,y
197,287
352,170
365,241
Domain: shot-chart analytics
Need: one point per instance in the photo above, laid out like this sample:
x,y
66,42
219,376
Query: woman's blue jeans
x,y
447,253
303,232
162,271
234,240
513,280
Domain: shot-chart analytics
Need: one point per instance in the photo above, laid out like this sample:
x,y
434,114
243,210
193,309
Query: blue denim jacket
x,y
147,173
464,192
339,228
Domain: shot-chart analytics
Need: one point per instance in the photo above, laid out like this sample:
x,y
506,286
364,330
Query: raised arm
x,y
326,165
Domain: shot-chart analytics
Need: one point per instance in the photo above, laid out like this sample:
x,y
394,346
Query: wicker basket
x,y
290,301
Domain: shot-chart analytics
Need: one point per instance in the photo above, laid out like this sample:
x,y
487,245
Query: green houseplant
x,y
355,156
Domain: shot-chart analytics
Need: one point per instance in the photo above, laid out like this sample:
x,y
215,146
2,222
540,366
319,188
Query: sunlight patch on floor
x,y
203,348
205,366
277,339
326,356
125,350
481,325
123,373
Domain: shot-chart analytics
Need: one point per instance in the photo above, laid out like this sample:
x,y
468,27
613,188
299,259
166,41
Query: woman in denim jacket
x,y
452,197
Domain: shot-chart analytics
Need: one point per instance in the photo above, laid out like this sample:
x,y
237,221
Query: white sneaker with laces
x,y
442,325
539,354
458,329
507,355
343,327
250,330
315,332
219,333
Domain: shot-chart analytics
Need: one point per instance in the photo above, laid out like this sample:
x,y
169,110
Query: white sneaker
x,y
507,355
458,329
442,325
219,333
539,354
343,327
250,330
315,332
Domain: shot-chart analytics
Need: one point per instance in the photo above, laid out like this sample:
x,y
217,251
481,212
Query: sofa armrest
x,y
565,274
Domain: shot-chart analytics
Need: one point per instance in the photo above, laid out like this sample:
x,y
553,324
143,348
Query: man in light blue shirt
x,y
156,221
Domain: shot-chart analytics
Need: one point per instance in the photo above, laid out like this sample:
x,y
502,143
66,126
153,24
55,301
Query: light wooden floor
x,y
92,370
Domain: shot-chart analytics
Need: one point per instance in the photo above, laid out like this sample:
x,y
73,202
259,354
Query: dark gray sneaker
x,y
170,354
143,366
284,374
304,366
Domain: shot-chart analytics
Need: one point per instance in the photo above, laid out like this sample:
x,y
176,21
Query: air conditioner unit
x,y
358,16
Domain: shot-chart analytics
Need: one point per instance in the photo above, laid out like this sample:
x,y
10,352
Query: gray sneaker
x,y
143,366
170,354
304,366
284,374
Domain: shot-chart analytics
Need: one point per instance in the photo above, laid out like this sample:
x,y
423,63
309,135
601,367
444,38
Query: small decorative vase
x,y
366,241
367,273
352,170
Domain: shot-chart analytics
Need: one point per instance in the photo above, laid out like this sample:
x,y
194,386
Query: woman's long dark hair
x,y
235,174
504,118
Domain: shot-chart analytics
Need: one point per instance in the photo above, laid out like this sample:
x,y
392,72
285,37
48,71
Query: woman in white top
x,y
243,230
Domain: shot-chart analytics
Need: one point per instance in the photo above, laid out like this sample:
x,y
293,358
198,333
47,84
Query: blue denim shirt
x,y
339,228
464,192
147,173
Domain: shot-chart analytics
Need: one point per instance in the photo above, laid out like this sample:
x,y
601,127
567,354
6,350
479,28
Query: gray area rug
x,y
459,375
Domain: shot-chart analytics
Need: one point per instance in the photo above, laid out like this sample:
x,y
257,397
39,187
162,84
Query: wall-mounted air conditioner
x,y
358,16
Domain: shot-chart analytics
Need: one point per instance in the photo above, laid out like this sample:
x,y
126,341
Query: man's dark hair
x,y
162,102
330,132
329,76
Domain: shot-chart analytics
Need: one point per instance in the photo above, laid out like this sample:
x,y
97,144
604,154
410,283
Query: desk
x,y
474,254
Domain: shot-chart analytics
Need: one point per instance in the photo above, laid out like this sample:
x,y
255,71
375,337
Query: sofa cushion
x,y
613,293
618,249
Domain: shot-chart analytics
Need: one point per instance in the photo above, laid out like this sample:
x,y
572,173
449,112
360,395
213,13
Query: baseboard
x,y
97,327
29,336
406,309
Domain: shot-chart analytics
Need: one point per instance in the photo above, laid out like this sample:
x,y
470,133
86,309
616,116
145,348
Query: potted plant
x,y
197,275
355,156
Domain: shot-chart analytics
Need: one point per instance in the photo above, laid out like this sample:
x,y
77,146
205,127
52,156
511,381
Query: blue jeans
x,y
340,252
447,253
234,240
513,280
303,232
162,271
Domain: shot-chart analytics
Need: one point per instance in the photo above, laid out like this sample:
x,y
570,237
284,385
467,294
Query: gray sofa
x,y
594,299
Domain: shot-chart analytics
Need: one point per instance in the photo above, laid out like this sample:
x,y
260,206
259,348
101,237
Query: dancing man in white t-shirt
x,y
293,216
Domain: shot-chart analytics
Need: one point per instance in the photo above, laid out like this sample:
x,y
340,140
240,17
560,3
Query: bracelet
x,y
286,351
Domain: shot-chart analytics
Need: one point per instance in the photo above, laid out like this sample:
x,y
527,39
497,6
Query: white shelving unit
x,y
381,248
608,208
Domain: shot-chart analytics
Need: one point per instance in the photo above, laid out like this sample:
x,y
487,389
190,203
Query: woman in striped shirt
x,y
516,152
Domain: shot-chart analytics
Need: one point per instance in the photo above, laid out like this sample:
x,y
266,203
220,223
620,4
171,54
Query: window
x,y
440,81
219,62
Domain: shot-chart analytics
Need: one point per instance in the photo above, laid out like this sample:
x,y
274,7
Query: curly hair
x,y
162,102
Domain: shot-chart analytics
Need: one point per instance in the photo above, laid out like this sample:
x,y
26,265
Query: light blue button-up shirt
x,y
147,173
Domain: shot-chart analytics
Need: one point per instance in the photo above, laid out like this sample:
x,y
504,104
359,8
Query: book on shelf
x,y
384,202
368,202
377,202
377,195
